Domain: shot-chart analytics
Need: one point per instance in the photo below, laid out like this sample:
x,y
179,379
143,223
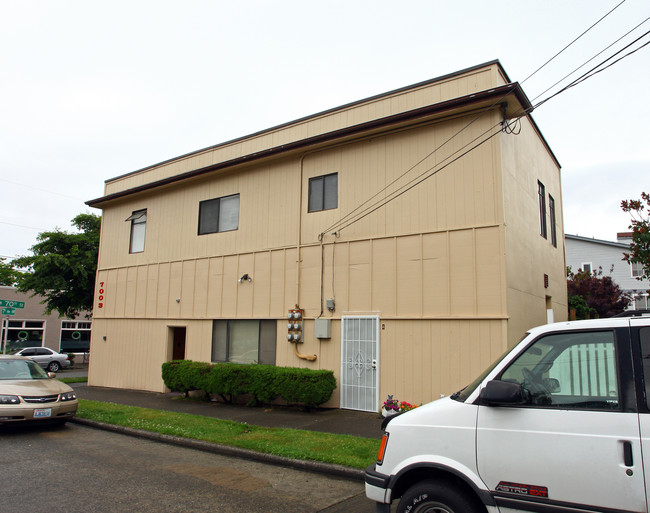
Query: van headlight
x,y
68,396
9,399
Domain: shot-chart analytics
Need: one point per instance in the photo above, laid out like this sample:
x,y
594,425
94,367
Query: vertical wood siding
x,y
445,265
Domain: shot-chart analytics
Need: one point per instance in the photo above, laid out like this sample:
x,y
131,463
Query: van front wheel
x,y
433,497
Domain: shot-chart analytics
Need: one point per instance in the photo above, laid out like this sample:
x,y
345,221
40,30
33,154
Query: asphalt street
x,y
79,469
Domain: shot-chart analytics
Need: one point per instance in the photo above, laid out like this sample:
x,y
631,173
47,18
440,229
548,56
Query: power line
x,y
41,190
594,71
587,62
421,178
351,214
20,225
571,43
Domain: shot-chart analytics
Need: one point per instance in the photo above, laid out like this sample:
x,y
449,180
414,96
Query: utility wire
x,y
351,214
20,225
594,71
522,113
587,62
571,43
41,190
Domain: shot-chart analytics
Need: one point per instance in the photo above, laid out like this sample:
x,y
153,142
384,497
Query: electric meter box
x,y
323,328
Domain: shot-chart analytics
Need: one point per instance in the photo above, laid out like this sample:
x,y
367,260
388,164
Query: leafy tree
x,y
579,305
601,295
640,226
63,267
8,273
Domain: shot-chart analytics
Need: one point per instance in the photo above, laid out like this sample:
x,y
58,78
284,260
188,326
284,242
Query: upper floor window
x,y
551,211
219,214
637,269
541,193
324,192
138,227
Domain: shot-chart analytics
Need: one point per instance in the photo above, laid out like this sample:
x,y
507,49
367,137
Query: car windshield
x,y
21,369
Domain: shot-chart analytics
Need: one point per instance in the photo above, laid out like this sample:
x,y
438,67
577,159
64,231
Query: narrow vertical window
x,y
541,192
551,211
323,192
138,227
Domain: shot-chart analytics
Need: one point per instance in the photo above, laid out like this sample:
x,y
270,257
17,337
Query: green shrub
x,y
227,380
181,376
305,386
264,383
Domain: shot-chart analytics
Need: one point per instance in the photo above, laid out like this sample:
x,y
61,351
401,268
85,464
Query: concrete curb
x,y
311,466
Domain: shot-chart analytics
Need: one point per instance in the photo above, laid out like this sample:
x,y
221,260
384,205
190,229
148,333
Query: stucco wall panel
x,y
528,255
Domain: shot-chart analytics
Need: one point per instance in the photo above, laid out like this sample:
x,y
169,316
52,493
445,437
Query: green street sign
x,y
8,311
11,304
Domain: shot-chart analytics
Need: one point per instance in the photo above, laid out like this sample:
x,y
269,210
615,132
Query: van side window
x,y
644,335
570,370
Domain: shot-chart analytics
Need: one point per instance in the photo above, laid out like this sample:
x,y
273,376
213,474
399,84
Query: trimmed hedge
x,y
264,383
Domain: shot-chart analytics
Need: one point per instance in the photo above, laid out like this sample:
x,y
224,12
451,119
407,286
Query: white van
x,y
560,423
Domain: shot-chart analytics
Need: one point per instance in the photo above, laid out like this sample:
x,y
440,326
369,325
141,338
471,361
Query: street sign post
x,y
8,308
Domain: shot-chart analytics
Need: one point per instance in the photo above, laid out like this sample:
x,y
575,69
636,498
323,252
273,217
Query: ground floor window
x,y
21,334
244,341
75,337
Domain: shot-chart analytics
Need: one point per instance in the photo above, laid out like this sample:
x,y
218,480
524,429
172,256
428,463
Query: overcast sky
x,y
90,90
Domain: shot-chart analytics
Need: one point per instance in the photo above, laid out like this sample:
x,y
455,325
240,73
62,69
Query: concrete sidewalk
x,y
334,420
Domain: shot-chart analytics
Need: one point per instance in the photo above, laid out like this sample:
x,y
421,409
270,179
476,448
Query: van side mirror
x,y
496,393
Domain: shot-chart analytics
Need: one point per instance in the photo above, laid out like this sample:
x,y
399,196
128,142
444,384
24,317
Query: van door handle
x,y
628,460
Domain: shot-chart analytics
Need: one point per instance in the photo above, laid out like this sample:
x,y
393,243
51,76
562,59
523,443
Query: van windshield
x,y
463,394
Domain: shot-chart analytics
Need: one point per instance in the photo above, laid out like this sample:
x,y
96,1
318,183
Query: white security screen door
x,y
359,363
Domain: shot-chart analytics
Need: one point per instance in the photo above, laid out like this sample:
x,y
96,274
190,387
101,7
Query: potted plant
x,y
390,407
404,406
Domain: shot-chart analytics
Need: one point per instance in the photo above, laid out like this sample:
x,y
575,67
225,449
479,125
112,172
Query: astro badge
x,y
522,489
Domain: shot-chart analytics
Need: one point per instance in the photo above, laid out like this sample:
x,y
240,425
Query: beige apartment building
x,y
412,237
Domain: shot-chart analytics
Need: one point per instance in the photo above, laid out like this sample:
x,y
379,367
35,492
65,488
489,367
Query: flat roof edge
x,y
499,93
318,114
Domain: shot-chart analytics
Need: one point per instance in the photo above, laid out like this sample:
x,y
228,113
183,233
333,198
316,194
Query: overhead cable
x,y
351,214
523,112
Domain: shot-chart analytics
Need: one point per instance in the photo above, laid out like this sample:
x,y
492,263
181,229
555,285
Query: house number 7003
x,y
100,303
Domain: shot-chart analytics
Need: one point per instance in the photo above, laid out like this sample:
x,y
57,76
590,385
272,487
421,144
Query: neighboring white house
x,y
594,254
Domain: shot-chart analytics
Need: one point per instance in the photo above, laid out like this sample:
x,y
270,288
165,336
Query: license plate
x,y
40,413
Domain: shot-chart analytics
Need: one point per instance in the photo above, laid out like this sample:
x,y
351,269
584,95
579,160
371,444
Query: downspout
x,y
312,357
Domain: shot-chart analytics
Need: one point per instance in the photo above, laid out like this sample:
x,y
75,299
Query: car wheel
x,y
434,497
54,367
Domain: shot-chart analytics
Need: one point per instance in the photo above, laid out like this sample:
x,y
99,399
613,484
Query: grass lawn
x,y
347,450
73,380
